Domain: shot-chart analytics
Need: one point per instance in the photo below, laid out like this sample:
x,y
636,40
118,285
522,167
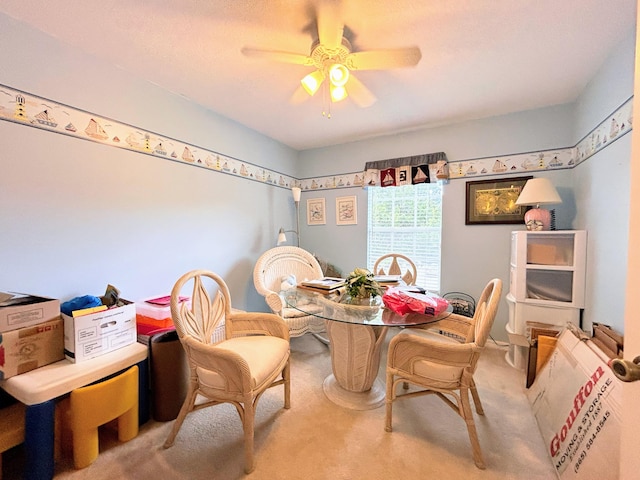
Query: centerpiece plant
x,y
361,287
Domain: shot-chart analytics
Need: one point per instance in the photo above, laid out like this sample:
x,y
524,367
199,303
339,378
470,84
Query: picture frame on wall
x,y
346,211
493,201
316,212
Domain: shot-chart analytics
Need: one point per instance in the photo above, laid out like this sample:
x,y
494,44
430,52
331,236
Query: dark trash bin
x,y
169,375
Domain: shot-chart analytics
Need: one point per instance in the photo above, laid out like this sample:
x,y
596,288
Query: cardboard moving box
x,y
28,348
26,310
576,401
92,335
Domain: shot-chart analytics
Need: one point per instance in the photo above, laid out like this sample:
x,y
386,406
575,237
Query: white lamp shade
x,y
538,191
311,83
338,74
337,93
295,191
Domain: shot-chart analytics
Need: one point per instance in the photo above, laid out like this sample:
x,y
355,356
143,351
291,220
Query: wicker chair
x,y
444,364
253,358
393,264
276,265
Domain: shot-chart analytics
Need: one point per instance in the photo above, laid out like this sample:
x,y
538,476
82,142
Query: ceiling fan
x,y
333,59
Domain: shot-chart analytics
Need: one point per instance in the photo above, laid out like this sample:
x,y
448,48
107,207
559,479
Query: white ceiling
x,y
479,57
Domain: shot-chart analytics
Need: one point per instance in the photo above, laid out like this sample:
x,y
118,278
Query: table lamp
x,y
538,191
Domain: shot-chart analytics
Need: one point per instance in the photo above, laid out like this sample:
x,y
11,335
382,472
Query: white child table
x,y
40,388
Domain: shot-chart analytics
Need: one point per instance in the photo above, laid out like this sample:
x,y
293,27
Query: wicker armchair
x,y
444,364
272,268
394,264
253,358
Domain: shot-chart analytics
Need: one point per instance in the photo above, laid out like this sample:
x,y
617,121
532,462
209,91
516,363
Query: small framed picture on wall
x,y
316,211
346,211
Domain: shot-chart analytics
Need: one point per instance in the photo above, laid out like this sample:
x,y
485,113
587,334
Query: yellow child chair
x,y
89,407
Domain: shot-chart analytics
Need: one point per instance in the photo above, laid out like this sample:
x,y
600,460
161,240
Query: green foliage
x,y
360,284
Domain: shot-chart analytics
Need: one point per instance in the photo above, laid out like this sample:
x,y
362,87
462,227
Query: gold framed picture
x,y
494,201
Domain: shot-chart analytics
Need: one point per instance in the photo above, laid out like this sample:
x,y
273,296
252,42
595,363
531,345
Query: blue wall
x,y
602,190
77,215
594,193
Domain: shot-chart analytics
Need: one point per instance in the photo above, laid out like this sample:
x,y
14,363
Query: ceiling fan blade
x,y
278,56
299,96
330,26
383,59
360,94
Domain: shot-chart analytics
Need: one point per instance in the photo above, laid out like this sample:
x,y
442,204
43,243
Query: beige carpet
x,y
317,439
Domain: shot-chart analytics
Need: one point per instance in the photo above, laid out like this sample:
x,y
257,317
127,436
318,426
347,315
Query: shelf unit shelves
x,y
548,268
546,285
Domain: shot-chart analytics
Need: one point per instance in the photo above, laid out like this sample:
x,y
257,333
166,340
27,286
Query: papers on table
x,y
387,280
325,283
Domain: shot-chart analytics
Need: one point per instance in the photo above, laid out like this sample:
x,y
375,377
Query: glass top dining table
x,y
328,307
356,336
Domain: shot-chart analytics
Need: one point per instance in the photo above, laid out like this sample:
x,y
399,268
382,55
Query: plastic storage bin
x,y
151,317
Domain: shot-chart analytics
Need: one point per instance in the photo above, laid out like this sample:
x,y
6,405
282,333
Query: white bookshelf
x,y
546,285
548,268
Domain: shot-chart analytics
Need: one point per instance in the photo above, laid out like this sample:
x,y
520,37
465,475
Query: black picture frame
x,y
493,201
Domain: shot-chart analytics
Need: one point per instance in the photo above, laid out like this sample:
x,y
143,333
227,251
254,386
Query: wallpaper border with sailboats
x,y
34,111
614,127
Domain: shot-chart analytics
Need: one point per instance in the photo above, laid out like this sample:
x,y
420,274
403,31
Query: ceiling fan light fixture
x,y
311,83
335,61
338,74
337,93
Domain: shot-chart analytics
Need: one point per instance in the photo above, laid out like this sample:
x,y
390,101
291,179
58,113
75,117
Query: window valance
x,y
425,168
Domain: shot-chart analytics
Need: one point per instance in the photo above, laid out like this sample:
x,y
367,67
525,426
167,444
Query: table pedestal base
x,y
368,400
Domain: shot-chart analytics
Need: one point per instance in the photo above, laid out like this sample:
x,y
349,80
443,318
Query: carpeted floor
x,y
317,440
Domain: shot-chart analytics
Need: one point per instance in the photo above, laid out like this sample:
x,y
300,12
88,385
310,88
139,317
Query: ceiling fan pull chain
x,y
326,101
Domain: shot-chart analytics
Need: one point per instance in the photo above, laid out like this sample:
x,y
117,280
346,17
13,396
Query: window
x,y
407,220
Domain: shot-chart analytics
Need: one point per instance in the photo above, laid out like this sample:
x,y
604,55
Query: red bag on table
x,y
403,300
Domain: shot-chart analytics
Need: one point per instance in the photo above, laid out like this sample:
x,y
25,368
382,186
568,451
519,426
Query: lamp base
x,y
538,219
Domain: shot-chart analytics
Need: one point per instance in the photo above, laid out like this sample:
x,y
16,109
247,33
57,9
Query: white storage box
x,y
95,334
26,310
